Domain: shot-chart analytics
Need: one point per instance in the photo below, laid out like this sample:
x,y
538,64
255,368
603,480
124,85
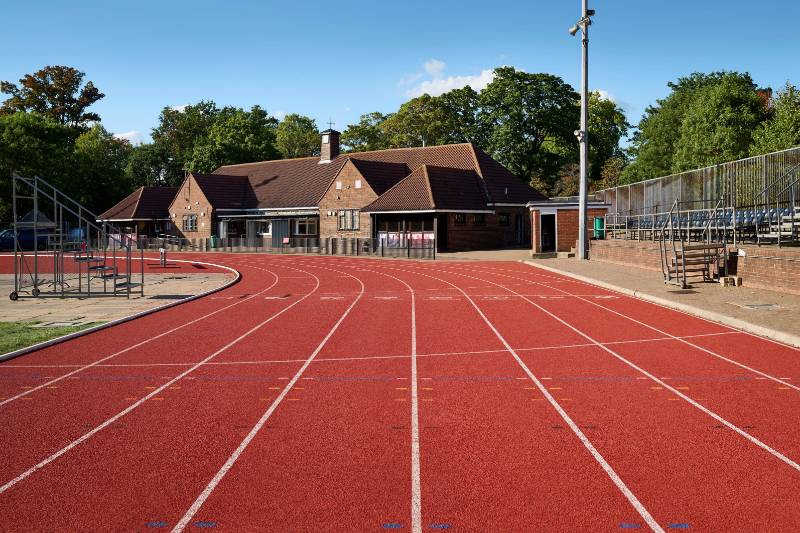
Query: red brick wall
x,y
764,267
348,197
566,228
490,235
191,200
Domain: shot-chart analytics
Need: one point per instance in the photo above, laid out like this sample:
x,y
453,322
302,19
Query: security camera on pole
x,y
583,134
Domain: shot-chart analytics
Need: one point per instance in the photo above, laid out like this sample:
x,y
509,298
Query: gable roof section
x,y
226,192
502,186
381,175
431,188
145,203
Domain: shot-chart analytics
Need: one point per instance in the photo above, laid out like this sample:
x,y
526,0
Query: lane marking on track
x,y
663,383
201,499
132,407
376,357
71,375
675,337
632,499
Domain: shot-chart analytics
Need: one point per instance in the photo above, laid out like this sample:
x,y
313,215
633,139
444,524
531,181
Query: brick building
x,y
143,212
554,224
456,193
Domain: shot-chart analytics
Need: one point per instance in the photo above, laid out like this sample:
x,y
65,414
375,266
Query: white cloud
x,y
605,95
179,108
133,136
434,67
279,114
440,85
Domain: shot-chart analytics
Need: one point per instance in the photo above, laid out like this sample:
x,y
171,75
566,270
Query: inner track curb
x,y
22,351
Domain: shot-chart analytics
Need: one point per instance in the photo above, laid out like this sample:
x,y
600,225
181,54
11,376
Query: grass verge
x,y
16,335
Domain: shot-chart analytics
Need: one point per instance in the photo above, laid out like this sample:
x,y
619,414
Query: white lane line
x,y
198,503
137,345
634,501
669,335
137,404
416,490
661,382
369,357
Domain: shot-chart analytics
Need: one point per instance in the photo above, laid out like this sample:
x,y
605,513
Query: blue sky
x,y
338,60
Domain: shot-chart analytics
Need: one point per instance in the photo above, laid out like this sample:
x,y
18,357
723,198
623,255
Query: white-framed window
x,y
189,222
305,226
348,219
264,227
325,139
358,184
338,185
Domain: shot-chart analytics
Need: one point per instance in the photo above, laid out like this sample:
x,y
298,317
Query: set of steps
x,y
704,260
785,231
100,267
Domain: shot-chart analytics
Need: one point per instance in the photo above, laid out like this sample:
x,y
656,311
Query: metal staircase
x,y
681,260
70,254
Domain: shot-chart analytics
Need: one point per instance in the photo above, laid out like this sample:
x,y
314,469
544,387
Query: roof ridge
x,y
482,179
428,185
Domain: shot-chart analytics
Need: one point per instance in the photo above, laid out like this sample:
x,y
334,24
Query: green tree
x,y
653,145
297,136
719,124
55,92
237,136
782,130
607,126
611,173
422,121
33,145
100,161
179,130
147,165
462,117
531,119
367,135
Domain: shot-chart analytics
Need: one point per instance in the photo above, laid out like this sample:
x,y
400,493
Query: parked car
x,y
25,238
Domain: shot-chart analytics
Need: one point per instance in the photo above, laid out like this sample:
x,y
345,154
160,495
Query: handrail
x,y
793,183
82,212
771,185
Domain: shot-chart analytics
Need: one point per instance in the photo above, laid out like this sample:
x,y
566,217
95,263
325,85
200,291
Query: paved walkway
x,y
486,255
766,309
159,290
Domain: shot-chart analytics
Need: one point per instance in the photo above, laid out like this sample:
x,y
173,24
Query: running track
x,y
343,394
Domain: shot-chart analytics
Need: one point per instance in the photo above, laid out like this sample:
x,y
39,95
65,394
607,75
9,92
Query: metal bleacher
x,y
60,250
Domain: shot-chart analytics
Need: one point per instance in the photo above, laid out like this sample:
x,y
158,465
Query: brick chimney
x,y
330,146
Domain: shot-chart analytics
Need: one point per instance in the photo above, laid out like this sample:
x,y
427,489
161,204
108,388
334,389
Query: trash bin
x,y
213,242
599,227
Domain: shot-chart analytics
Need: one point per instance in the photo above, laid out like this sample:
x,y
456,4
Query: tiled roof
x,y
226,192
434,188
381,175
287,183
145,203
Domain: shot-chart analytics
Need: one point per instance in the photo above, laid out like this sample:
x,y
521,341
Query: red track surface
x,y
330,394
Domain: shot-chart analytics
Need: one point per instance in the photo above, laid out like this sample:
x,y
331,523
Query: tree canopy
x,y
782,129
54,92
297,136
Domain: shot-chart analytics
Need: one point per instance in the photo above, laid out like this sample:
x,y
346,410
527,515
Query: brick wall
x,y
566,228
490,235
190,200
764,267
348,197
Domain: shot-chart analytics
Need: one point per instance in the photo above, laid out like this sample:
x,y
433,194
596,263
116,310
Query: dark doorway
x,y
441,229
519,226
548,233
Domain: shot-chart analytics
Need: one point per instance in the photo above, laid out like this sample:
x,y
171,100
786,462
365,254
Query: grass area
x,y
16,335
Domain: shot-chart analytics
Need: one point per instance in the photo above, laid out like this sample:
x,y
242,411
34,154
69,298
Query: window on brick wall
x,y
459,219
479,219
348,219
189,222
305,226
503,219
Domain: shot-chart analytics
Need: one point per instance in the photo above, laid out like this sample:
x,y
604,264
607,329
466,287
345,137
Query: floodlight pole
x,y
583,133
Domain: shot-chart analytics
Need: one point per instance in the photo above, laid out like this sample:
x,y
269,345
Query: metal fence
x,y
744,184
406,246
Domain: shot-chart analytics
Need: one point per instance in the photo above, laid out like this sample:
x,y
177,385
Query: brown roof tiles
x,y
145,203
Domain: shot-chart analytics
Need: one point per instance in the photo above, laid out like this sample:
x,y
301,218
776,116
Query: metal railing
x,y
407,245
782,222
